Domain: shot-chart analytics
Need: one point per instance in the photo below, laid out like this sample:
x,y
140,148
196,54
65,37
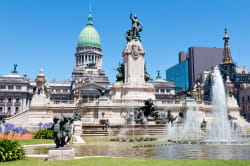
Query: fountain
x,y
190,128
129,119
192,125
219,129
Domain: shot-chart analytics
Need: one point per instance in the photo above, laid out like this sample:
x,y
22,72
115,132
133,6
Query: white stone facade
x,y
15,94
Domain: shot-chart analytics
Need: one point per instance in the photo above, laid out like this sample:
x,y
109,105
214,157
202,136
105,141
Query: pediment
x,y
92,86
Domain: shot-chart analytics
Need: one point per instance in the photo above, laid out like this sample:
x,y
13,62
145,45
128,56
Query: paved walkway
x,y
45,156
38,145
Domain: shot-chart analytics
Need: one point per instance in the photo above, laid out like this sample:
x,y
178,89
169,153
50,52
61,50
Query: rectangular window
x,y
18,87
1,99
162,90
2,87
9,100
8,110
65,90
16,110
17,100
10,87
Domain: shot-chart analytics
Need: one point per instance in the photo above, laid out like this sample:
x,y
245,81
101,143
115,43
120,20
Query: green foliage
x,y
44,134
10,150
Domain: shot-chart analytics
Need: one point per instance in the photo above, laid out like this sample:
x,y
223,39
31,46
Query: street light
x,y
79,84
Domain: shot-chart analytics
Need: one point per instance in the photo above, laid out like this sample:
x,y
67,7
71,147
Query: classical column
x,y
22,106
13,106
5,111
76,61
101,61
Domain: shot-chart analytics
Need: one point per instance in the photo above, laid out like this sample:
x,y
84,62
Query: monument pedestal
x,y
77,133
134,86
61,154
77,130
121,91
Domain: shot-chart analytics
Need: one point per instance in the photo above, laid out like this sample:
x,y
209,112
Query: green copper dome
x,y
89,36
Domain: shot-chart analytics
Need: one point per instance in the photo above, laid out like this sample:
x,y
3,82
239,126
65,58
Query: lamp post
x,y
198,89
79,84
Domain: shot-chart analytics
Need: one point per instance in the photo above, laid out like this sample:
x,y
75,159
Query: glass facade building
x,y
179,75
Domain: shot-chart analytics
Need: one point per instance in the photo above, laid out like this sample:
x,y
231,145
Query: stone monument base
x,y
61,154
123,91
77,129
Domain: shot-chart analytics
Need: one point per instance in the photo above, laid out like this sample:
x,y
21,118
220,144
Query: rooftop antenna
x,y
89,6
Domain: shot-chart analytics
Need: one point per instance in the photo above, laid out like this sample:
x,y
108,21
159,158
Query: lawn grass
x,y
126,162
35,141
248,130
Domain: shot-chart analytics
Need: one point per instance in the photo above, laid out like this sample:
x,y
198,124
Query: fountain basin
x,y
126,139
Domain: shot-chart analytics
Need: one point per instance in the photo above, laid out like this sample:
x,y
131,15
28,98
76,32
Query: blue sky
x,y
44,33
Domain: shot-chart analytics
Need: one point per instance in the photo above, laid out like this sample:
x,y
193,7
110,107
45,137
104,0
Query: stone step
x,y
94,132
95,135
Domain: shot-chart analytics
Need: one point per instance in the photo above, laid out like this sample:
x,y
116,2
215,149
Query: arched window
x,y
242,98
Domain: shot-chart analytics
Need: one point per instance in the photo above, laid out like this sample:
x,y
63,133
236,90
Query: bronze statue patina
x,y
120,75
62,131
57,132
148,108
133,33
15,66
170,117
91,63
77,116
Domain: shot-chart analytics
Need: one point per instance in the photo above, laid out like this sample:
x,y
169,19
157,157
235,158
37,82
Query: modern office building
x,y
192,64
201,59
179,75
